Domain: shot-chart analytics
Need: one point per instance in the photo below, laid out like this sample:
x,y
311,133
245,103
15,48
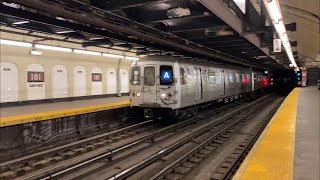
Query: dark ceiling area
x,y
183,28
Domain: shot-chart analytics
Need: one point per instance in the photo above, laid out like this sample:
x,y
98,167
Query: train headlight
x,y
163,95
138,94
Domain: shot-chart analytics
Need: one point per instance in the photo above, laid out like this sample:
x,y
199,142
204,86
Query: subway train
x,y
161,85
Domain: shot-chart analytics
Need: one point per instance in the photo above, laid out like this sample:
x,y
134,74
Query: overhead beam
x,y
222,11
97,20
111,5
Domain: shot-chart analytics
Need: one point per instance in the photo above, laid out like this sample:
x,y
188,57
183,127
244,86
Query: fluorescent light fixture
x,y
20,22
112,55
64,32
87,52
36,53
274,11
131,58
15,43
54,48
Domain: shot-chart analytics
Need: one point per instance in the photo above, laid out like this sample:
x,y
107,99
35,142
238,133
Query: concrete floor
x,y
306,157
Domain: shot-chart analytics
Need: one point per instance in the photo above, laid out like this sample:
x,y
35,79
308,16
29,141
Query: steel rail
x,y
131,170
41,154
108,153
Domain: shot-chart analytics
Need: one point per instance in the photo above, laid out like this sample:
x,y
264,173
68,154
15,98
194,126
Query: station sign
x,y
35,76
96,77
276,45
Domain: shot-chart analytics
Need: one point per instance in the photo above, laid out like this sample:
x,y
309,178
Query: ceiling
x,y
306,14
185,28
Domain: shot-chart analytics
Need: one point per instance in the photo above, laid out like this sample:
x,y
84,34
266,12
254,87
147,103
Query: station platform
x,y
37,112
289,146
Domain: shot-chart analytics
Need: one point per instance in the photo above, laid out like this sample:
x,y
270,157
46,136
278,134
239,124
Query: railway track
x,y
191,150
67,158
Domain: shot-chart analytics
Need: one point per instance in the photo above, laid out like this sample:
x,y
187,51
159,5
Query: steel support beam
x,y
223,12
55,9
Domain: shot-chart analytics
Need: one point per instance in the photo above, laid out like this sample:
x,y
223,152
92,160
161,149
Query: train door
x,y
223,82
198,83
149,87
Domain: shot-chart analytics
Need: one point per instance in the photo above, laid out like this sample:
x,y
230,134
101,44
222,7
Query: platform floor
x,y
289,146
37,112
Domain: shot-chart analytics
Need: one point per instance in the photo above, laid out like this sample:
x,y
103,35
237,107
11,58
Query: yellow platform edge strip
x,y
27,118
272,156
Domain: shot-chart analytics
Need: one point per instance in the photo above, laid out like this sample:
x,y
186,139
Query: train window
x,y
247,78
166,75
135,75
243,78
182,77
231,77
212,77
237,77
149,75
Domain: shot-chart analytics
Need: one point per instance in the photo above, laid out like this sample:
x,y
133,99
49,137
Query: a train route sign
x,y
276,45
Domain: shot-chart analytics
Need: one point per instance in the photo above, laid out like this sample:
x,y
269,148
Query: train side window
x,y
149,75
231,77
166,75
247,78
243,78
182,77
212,77
237,77
136,75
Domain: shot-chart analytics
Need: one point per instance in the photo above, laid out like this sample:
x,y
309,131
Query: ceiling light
x,y
15,43
54,48
112,55
131,58
274,11
20,22
64,32
36,53
87,52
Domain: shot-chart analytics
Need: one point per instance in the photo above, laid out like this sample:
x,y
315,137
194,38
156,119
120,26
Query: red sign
x,y
35,76
96,77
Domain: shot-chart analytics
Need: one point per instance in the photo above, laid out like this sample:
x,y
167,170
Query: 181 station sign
x,y
276,45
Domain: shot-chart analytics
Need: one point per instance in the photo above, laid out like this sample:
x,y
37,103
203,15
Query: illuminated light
x,y
112,55
271,83
138,94
64,32
266,72
87,52
162,95
15,43
274,11
131,58
36,53
54,48
21,22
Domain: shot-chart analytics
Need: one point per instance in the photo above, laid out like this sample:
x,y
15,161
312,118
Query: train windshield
x,y
149,75
166,75
136,75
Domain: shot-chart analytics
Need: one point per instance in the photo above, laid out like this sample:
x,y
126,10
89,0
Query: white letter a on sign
x,y
166,75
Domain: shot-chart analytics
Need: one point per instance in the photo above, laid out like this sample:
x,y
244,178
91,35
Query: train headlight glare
x,y
163,95
138,94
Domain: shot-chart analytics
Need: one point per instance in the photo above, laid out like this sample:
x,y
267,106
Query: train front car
x,y
153,86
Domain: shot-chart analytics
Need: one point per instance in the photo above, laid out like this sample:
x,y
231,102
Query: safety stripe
x,y
27,118
272,156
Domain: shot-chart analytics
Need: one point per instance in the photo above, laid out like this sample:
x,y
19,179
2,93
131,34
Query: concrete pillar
x,y
119,78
